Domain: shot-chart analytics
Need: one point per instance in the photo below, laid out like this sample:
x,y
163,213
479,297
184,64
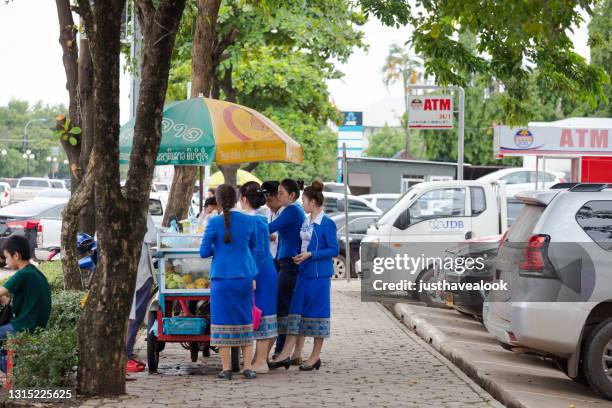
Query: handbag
x,y
256,316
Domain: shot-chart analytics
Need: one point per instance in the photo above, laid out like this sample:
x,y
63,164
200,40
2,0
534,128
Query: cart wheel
x,y
235,359
152,353
206,350
194,349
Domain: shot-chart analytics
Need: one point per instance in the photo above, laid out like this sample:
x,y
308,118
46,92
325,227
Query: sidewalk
x,y
371,360
519,381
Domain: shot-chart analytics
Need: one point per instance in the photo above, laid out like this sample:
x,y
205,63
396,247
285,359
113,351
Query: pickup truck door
x,y
435,220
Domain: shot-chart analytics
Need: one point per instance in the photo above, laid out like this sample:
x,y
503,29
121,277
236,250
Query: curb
x,y
440,342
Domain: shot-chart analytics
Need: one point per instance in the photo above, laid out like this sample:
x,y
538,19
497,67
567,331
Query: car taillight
x,y
39,235
534,256
23,224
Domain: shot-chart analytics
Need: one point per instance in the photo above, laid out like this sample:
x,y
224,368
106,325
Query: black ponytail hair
x,y
253,193
315,192
291,186
226,199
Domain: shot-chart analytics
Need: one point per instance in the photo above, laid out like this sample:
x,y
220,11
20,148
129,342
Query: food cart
x,y
181,313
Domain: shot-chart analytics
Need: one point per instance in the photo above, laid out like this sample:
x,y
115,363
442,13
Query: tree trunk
x,y
79,199
203,72
76,81
87,218
121,216
230,172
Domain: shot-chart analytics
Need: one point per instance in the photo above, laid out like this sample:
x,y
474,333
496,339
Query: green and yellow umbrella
x,y
200,131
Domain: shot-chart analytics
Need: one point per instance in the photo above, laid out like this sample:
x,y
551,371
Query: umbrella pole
x,y
201,189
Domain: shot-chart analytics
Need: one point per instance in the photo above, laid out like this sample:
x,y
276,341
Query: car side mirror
x,y
403,221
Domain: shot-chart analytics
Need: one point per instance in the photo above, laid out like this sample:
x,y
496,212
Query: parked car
x,y
358,227
470,302
159,186
560,247
520,179
54,193
49,234
5,194
24,218
332,187
334,203
28,187
11,181
382,201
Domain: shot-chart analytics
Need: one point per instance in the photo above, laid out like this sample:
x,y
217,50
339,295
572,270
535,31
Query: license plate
x,y
449,299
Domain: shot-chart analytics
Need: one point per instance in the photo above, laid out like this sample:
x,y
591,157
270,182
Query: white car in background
x,y
519,179
29,187
54,193
382,201
334,203
5,194
333,187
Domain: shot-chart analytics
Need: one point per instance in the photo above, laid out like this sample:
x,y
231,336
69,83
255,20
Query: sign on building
x,y
352,119
548,140
430,112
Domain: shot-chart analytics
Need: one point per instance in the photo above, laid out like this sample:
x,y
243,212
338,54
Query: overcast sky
x,y
31,68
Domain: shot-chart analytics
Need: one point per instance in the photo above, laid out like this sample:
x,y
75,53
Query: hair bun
x,y
317,186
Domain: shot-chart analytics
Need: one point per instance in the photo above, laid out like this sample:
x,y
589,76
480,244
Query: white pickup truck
x,y
28,187
431,217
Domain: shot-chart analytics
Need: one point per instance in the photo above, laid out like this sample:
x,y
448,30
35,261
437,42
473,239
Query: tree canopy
x,y
517,43
277,62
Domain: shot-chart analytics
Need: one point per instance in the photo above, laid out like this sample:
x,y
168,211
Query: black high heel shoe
x,y
283,363
249,374
225,375
315,366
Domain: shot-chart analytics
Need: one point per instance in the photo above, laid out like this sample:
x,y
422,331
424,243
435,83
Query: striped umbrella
x,y
200,131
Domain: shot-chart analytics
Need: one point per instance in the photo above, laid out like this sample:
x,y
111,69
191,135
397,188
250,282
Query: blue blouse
x,y
288,225
234,259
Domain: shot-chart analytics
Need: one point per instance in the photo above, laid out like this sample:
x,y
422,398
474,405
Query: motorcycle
x,y
87,250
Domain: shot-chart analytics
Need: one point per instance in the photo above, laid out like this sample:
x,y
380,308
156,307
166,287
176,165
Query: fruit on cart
x,y
202,283
187,279
171,285
189,286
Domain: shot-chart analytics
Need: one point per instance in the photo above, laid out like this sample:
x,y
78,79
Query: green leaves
x,y
512,38
68,133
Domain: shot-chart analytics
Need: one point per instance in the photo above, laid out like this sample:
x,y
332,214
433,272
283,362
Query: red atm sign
x,y
430,112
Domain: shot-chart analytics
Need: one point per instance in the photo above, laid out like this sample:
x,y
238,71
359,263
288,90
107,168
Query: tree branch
x,y
84,10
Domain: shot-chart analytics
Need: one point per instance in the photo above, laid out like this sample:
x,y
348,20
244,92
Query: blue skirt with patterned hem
x,y
309,314
231,302
268,328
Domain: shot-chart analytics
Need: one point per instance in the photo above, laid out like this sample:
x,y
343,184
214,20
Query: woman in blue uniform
x,y
231,239
251,199
309,313
288,226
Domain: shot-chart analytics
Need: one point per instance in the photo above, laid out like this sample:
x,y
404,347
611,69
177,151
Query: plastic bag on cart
x,y
176,242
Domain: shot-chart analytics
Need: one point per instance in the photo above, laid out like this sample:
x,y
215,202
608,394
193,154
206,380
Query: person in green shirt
x,y
27,291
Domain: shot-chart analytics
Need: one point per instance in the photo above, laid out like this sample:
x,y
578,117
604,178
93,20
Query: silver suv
x,y
557,260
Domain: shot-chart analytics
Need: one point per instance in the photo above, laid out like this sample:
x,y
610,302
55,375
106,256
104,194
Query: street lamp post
x,y
52,163
28,155
25,131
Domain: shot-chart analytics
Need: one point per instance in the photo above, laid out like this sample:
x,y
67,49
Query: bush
x,y
53,271
66,309
45,358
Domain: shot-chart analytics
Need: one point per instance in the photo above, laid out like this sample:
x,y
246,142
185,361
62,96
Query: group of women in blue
x,y
292,289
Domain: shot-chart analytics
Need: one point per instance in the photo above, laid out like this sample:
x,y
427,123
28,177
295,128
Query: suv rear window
x,y
595,218
525,221
33,183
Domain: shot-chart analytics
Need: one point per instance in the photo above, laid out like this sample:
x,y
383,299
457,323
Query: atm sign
x,y
430,112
